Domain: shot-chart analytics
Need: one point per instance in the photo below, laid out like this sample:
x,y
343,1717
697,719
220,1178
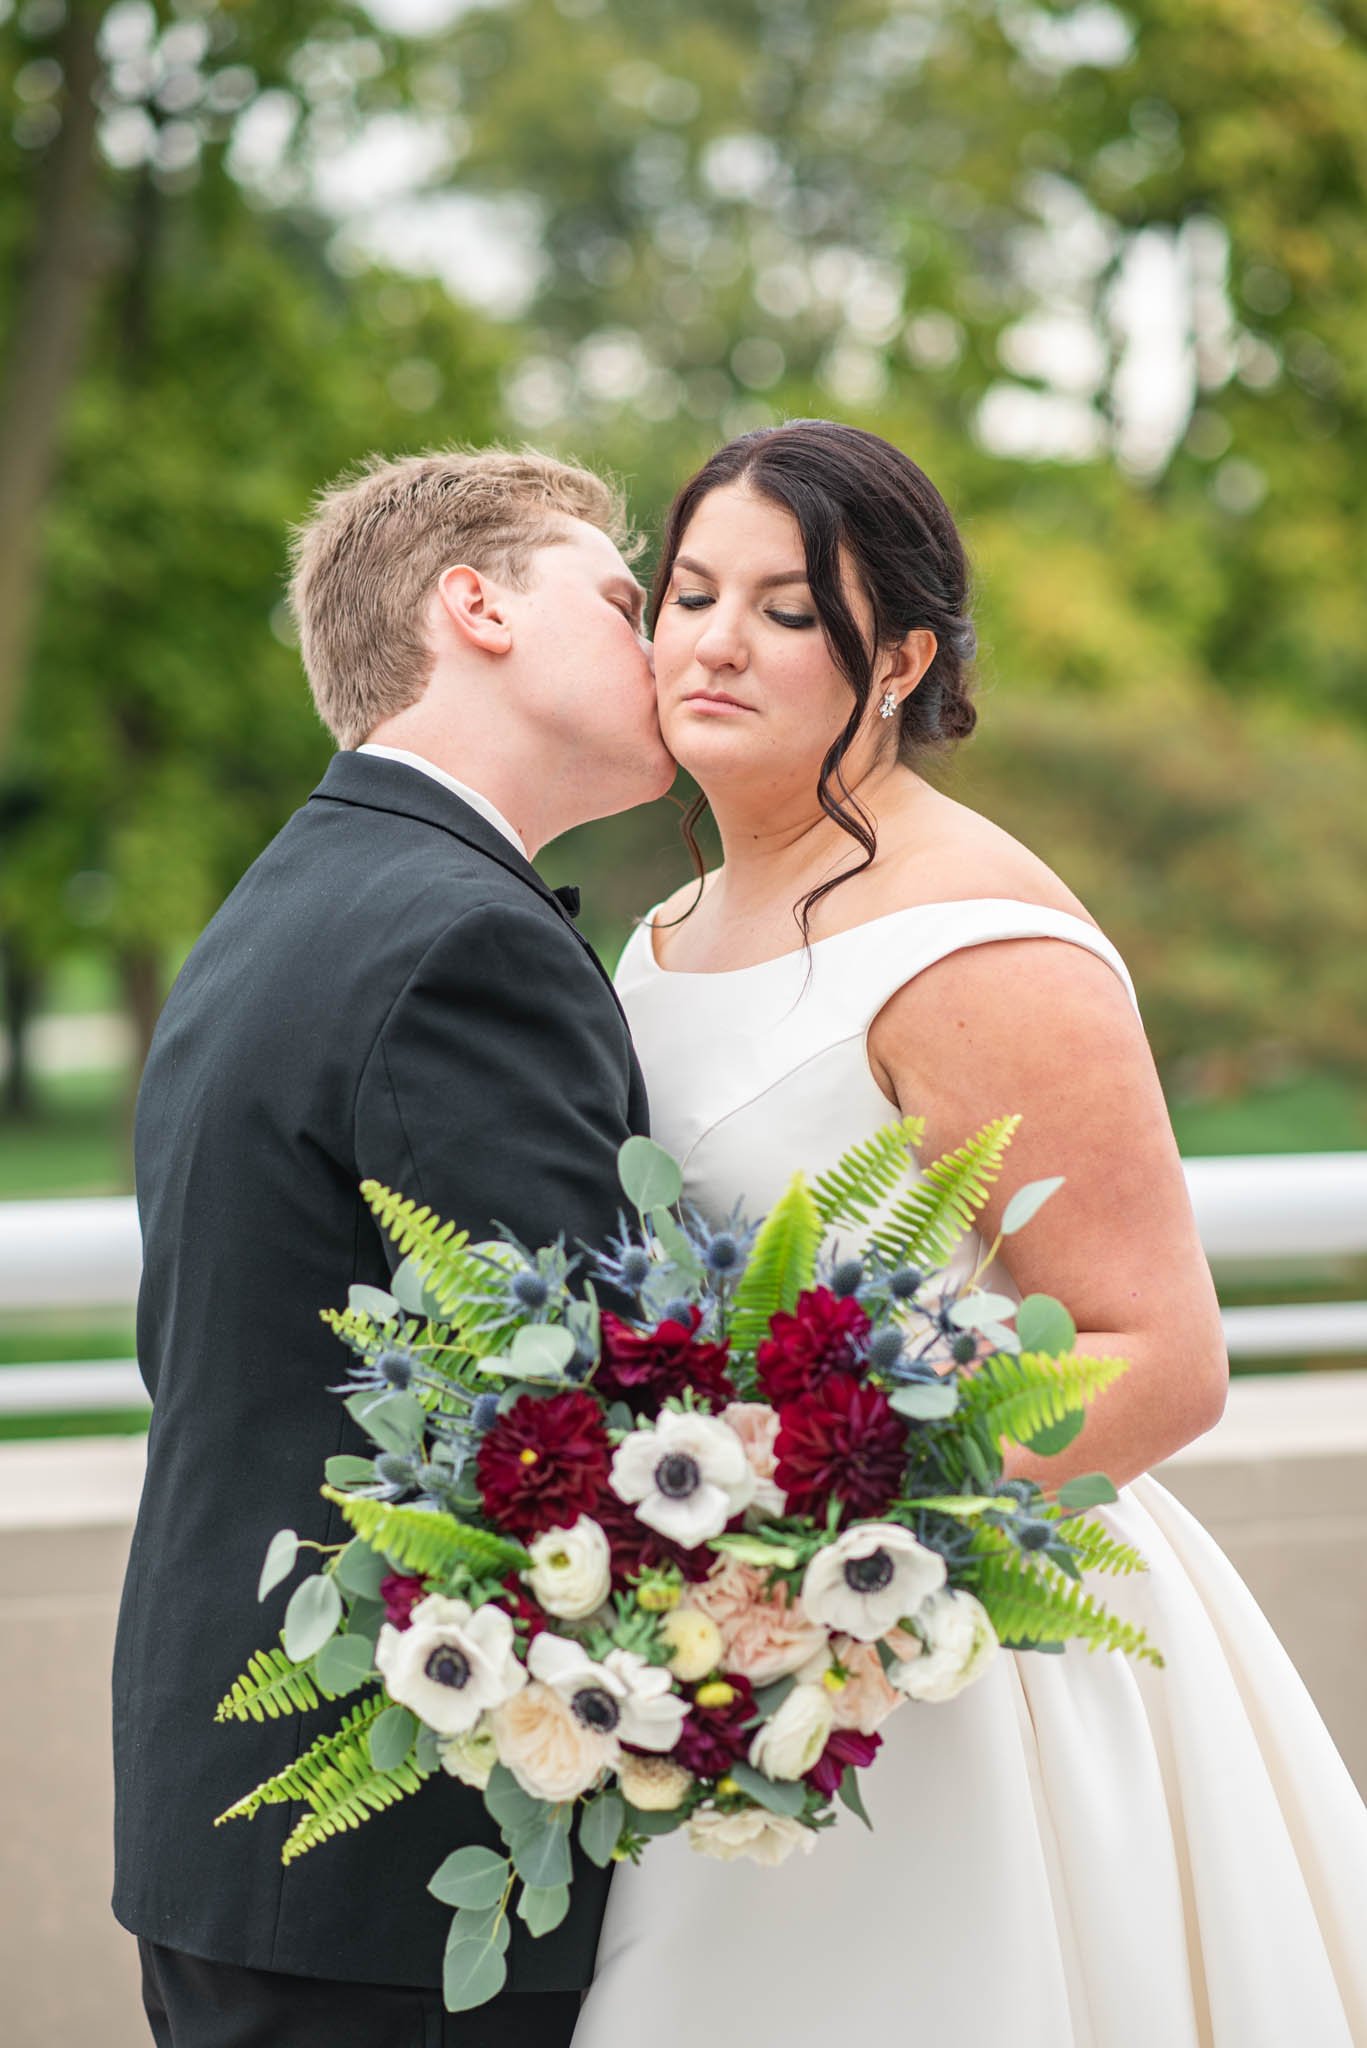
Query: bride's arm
x,y
1046,1029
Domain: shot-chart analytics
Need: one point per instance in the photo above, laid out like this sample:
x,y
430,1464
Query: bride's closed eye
x,y
695,600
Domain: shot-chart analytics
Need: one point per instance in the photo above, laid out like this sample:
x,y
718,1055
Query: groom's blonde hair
x,y
367,558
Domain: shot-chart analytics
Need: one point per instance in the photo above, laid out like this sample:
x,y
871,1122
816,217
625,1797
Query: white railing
x,y
1251,1212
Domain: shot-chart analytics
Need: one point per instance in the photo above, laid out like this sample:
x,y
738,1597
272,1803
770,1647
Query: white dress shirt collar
x,y
462,790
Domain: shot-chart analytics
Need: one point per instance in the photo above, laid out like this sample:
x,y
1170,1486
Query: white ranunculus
x,y
622,1699
862,1584
470,1757
792,1739
451,1662
686,1476
959,1644
571,1571
751,1831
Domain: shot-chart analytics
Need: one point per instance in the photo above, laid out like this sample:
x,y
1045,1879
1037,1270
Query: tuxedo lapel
x,y
370,782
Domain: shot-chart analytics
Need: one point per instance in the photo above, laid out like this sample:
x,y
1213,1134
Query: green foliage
x,y
272,1685
302,1779
426,1542
1098,1550
866,1176
1031,1603
928,1222
1018,1396
781,1264
469,1291
337,1779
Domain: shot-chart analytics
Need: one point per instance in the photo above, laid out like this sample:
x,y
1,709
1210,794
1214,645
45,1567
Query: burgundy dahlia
x,y
401,1595
844,1746
642,1367
544,1463
823,1335
714,1738
844,1440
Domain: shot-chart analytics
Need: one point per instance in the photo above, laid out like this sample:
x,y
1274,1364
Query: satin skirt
x,y
1077,1852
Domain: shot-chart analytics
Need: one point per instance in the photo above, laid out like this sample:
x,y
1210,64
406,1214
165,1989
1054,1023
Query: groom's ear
x,y
473,610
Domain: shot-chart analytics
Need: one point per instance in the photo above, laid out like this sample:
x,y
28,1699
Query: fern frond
x,y
305,1777
1028,1603
781,1265
1098,1551
929,1221
271,1686
350,1791
426,1542
467,1289
1018,1396
866,1176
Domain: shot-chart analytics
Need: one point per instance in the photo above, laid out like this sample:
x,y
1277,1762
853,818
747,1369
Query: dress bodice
x,y
758,1071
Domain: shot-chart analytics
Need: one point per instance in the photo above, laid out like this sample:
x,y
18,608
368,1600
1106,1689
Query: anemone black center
x,y
596,1709
869,1574
678,1475
448,1666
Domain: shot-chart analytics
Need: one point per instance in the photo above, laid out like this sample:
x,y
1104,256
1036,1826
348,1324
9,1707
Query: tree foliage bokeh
x,y
1102,270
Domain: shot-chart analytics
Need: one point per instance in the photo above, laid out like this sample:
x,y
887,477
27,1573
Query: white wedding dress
x,y
1078,1852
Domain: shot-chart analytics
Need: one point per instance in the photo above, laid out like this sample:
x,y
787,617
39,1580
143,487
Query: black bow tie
x,y
568,898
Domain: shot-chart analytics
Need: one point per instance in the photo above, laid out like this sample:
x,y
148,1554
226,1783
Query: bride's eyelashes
x,y
696,600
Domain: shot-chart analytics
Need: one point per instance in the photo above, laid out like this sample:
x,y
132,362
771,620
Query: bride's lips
x,y
714,701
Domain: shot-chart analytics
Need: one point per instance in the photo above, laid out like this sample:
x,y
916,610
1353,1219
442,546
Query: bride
x,y
1078,1852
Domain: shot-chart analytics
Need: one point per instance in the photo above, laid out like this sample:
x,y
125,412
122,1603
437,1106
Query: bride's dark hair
x,y
851,491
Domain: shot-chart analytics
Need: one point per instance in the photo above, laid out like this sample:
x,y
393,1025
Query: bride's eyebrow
x,y
761,582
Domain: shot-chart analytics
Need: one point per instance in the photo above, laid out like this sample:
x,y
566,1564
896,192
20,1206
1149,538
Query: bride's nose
x,y
720,645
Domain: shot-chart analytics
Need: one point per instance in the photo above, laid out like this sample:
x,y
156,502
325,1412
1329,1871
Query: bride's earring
x,y
888,707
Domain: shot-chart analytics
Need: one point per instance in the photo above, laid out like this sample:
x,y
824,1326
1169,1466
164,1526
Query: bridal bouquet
x,y
631,1573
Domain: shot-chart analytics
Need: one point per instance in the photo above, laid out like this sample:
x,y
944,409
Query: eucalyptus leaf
x,y
786,1796
365,1618
411,1291
674,1242
619,1416
344,1470
313,1614
973,1311
998,1335
887,1656
769,1698
394,1421
926,1400
651,1823
391,1738
343,1663
541,1855
1088,1490
282,1553
542,1350
1057,1436
848,1791
470,1877
426,1753
372,1302
649,1175
600,1824
473,1972
543,1906
1027,1202
508,1803
755,1550
360,1569
1043,1324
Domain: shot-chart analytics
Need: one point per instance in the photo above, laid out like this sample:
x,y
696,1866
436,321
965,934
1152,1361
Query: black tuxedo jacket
x,y
390,991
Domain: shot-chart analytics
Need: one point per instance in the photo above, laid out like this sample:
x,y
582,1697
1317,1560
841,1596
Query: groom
x,y
391,991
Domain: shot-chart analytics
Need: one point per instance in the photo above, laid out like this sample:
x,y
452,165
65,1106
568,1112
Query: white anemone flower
x,y
959,1643
686,1476
622,1699
451,1662
869,1578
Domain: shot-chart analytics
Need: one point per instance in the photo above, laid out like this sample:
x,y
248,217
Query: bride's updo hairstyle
x,y
854,494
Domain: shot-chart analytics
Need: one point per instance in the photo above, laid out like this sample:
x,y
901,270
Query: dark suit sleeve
x,y
498,1086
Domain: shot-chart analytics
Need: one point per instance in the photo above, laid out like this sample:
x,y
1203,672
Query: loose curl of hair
x,y
853,493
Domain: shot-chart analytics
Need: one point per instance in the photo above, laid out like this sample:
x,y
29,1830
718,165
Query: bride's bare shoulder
x,y
967,856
